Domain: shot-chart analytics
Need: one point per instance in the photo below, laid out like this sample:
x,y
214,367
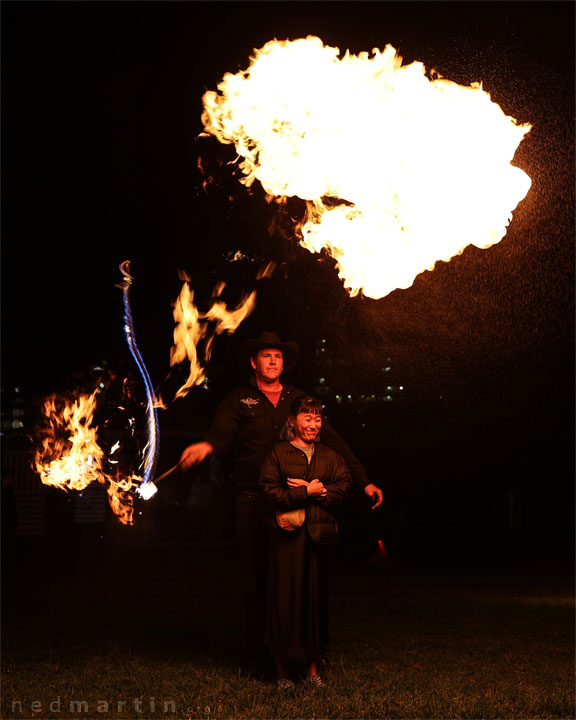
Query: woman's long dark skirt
x,y
298,592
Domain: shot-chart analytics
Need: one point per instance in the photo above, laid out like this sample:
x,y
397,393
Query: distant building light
x,y
322,381
349,397
388,398
323,341
389,387
17,389
401,387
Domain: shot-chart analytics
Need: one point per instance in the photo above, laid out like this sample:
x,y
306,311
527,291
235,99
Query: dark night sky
x,y
101,112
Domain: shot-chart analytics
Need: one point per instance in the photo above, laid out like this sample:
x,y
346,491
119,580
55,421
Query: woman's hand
x,y
316,488
295,482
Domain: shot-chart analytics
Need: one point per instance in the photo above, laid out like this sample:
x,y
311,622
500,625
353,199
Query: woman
x,y
303,482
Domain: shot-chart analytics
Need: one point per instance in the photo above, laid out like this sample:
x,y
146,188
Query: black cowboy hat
x,y
290,350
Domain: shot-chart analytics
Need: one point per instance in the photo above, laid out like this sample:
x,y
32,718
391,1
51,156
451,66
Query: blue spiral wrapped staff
x,y
153,446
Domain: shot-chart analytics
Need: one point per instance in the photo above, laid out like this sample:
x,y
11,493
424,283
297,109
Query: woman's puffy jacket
x,y
286,461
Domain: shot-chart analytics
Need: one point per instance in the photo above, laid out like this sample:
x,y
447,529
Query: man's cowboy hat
x,y
290,350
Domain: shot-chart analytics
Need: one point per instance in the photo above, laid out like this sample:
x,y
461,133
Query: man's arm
x,y
330,437
340,484
195,454
219,437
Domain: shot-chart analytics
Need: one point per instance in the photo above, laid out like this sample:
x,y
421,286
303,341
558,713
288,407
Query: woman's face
x,y
306,426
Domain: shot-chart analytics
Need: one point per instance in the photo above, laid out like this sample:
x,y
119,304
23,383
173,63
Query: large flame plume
x,y
70,457
398,171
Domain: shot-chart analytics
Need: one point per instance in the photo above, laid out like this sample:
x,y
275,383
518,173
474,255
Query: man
x,y
249,422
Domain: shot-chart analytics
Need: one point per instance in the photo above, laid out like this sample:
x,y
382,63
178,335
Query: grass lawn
x,y
154,632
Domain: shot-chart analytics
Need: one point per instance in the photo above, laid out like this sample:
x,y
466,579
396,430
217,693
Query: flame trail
x,y
193,326
153,445
398,171
70,456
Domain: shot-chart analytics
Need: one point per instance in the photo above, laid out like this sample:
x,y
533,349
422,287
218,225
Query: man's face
x,y
306,426
268,365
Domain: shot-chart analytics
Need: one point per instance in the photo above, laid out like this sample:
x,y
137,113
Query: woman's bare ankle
x,y
280,667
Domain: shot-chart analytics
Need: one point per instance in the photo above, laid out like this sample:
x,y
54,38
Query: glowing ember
x,y
70,457
398,171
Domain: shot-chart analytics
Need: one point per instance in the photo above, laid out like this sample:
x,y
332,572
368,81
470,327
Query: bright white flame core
x,y
398,171
147,490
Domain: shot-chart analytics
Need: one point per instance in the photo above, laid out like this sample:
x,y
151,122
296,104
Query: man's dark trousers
x,y
252,539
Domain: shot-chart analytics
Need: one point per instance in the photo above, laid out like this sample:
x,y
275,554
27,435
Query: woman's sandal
x,y
317,681
284,683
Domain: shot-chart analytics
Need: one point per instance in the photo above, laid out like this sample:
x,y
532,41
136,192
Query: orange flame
x,y
398,171
192,327
70,457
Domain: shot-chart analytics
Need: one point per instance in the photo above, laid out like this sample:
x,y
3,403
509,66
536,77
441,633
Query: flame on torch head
x,y
398,171
70,458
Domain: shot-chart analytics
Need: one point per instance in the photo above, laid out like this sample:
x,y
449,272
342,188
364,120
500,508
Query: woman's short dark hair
x,y
306,404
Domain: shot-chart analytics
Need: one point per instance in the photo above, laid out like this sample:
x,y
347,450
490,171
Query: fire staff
x,y
248,422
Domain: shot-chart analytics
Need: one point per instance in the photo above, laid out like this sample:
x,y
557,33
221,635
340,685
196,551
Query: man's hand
x,y
375,494
195,454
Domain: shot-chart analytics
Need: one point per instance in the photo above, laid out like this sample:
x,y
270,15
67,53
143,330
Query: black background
x,y
100,152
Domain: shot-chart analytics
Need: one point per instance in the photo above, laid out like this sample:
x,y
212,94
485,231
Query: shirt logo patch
x,y
250,401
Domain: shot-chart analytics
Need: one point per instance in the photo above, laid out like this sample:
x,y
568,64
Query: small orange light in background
x,y
382,552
